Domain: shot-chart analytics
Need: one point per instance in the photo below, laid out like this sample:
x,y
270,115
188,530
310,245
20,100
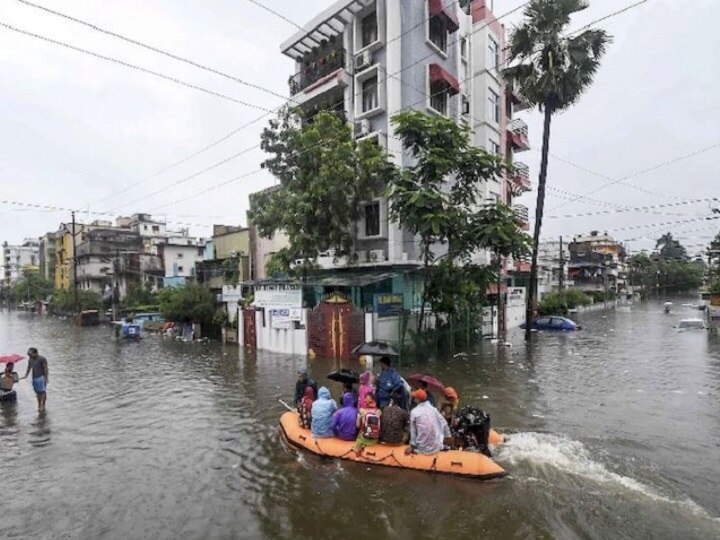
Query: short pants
x,y
39,384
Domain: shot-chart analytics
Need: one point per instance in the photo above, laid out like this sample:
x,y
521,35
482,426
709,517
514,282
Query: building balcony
x,y
520,177
521,213
522,266
518,135
319,74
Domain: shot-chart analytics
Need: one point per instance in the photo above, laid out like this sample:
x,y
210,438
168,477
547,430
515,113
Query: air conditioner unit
x,y
360,256
363,60
376,255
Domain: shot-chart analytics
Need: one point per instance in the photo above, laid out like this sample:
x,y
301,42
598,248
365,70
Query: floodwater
x,y
614,433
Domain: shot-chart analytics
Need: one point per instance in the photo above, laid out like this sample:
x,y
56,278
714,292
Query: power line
x,y
635,209
643,171
234,132
193,63
135,67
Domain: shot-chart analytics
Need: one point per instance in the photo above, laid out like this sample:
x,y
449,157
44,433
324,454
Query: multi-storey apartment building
x,y
370,59
21,258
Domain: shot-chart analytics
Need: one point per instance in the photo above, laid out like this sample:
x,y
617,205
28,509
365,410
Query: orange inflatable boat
x,y
457,462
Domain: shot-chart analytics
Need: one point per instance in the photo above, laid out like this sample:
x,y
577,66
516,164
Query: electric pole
x,y
561,277
74,263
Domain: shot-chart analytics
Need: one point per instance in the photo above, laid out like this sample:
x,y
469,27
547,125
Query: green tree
x,y
31,288
324,174
670,248
551,70
424,200
63,301
496,228
140,295
192,302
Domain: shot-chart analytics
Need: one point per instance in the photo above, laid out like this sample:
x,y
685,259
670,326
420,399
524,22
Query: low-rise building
x,y
47,257
179,261
231,262
99,252
596,263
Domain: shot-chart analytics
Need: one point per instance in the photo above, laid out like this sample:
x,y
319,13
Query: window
x,y
463,47
370,94
156,228
180,255
493,59
494,148
439,97
465,105
493,105
438,33
369,29
180,269
144,227
372,219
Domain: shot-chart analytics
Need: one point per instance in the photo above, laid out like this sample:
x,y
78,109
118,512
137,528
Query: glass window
x,y
493,105
180,255
463,47
438,32
180,268
370,94
439,97
493,59
369,29
372,219
494,148
156,228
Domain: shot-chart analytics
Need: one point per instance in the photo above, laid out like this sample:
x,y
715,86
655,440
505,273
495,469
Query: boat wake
x,y
545,452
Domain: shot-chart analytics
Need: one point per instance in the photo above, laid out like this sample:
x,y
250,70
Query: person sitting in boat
x,y
449,405
304,407
428,428
368,423
344,421
471,430
422,385
387,382
395,420
365,388
348,388
322,411
304,381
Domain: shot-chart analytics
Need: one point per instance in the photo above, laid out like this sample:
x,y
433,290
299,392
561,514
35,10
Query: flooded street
x,y
615,433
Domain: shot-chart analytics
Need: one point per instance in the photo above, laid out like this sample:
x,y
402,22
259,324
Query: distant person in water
x,y
40,376
7,379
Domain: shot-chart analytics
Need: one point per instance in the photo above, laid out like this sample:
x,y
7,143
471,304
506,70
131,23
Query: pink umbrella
x,y
427,379
11,358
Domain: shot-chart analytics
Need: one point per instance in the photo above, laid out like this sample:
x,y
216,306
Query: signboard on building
x,y
231,293
388,305
516,296
284,318
278,296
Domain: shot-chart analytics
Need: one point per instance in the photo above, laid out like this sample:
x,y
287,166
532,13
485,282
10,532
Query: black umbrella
x,y
344,376
376,348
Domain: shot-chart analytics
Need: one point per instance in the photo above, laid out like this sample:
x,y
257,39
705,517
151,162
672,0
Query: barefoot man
x,y
40,376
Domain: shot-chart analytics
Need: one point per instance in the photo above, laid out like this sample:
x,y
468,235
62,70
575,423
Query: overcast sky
x,y
76,130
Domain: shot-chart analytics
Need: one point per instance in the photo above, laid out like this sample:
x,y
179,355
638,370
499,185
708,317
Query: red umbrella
x,y
427,379
11,358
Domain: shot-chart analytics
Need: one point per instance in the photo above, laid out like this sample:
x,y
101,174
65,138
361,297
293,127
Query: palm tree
x,y
551,71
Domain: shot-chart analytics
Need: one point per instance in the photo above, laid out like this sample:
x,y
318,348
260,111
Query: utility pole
x,y
116,267
74,263
561,277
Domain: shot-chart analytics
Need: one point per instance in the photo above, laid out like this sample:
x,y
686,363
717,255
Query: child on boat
x,y
368,423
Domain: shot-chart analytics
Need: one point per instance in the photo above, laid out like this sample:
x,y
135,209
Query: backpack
x,y
371,425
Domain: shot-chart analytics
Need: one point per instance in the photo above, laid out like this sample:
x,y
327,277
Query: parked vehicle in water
x,y
90,317
691,324
555,323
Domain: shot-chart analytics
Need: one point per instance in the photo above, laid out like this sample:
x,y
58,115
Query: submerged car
x,y
554,323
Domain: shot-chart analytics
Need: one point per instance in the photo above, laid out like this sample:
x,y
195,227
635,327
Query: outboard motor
x,y
472,429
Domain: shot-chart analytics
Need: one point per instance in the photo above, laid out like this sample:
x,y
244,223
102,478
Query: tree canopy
x,y
324,174
192,302
670,248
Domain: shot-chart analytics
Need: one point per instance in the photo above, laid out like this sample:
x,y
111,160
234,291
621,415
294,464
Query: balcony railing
x,y
314,70
521,176
521,212
518,135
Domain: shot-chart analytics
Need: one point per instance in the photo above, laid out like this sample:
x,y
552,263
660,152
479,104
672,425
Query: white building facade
x,y
18,258
370,59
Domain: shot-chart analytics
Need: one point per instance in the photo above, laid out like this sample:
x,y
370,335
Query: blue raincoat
x,y
322,410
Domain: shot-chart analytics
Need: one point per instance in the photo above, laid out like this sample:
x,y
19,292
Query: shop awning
x,y
436,7
438,73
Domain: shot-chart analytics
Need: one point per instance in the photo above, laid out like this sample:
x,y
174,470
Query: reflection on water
x,y
616,433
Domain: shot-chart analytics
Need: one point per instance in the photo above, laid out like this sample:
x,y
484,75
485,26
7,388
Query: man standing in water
x,y
40,376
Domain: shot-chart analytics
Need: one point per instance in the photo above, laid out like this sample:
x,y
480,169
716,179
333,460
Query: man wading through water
x,y
40,376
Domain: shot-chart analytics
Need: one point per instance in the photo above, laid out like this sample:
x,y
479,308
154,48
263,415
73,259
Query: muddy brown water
x,y
614,433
